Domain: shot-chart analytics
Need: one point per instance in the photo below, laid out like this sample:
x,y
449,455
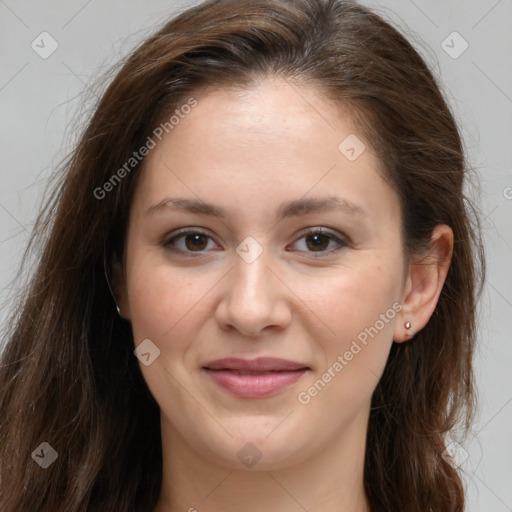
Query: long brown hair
x,y
68,376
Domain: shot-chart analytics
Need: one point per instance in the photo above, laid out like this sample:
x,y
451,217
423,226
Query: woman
x,y
257,282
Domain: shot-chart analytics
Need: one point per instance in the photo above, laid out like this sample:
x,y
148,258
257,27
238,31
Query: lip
x,y
260,364
254,378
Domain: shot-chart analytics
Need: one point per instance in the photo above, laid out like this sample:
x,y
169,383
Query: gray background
x,y
40,101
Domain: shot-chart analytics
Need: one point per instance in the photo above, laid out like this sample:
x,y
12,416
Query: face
x,y
263,277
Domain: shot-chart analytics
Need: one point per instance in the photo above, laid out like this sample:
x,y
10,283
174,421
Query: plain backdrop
x,y
468,44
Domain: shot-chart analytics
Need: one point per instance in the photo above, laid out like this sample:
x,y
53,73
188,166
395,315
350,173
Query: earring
x,y
407,325
118,309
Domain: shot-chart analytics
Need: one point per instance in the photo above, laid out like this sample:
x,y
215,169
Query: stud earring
x,y
407,325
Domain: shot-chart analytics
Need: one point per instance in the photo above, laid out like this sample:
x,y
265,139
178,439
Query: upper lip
x,y
260,364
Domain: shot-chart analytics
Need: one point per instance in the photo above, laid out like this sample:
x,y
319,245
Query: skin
x,y
248,152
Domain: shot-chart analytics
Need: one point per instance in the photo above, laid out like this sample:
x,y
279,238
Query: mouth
x,y
257,378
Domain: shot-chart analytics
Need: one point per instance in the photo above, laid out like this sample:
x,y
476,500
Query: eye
x,y
318,240
188,241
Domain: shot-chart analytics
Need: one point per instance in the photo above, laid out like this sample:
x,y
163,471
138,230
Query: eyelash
x,y
341,241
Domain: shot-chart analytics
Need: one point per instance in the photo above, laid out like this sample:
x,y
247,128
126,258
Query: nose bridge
x,y
253,298
251,280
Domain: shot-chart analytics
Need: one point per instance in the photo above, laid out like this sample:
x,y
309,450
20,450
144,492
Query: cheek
x,y
357,307
352,298
168,304
168,307
157,300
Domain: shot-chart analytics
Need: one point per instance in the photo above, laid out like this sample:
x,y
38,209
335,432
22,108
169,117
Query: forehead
x,y
276,141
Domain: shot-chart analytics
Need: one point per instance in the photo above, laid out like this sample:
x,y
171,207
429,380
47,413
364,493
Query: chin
x,y
263,450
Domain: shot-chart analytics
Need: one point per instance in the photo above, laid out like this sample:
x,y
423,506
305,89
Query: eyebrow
x,y
288,209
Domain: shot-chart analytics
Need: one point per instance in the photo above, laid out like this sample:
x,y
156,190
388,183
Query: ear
x,y
119,288
424,282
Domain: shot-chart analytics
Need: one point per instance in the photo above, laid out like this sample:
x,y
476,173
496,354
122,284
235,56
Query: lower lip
x,y
254,386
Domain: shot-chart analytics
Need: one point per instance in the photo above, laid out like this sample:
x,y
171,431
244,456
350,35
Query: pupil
x,y
196,241
318,240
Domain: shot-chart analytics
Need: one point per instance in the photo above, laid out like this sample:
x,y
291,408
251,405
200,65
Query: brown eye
x,y
195,241
188,242
318,240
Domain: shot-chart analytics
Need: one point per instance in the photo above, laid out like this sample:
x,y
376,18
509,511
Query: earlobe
x,y
425,280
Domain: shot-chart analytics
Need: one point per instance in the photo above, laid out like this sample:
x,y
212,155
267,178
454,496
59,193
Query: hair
x,y
68,374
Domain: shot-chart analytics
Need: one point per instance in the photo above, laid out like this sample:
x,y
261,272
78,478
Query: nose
x,y
254,298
